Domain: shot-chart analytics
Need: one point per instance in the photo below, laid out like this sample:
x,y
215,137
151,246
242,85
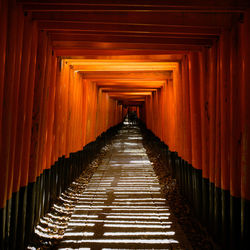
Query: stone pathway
x,y
122,206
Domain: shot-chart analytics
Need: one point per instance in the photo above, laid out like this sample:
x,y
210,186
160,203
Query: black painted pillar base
x,y
205,201
47,176
225,218
217,214
211,208
235,219
190,183
245,224
8,220
30,210
197,191
13,219
21,219
2,226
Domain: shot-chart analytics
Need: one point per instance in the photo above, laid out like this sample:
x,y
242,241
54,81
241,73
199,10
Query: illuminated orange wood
x,y
225,108
212,109
22,103
37,107
25,171
194,86
3,40
8,95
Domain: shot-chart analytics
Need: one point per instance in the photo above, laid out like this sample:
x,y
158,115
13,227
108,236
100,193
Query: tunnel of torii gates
x,y
69,71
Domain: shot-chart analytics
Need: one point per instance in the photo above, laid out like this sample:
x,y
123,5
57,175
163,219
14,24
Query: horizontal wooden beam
x,y
152,87
49,20
128,97
111,66
125,90
171,5
81,35
50,24
57,38
96,53
83,45
142,18
130,58
132,75
130,94
138,82
130,84
135,102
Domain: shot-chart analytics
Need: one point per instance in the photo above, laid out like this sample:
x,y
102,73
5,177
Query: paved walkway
x,y
122,206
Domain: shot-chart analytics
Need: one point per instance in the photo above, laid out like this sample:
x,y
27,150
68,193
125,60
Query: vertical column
x,y
33,196
29,192
195,114
235,134
6,120
3,41
224,143
245,158
12,197
204,132
212,83
50,137
217,167
187,126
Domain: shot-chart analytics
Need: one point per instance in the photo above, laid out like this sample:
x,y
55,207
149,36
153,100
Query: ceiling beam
x,y
131,75
83,45
129,27
96,53
57,38
131,18
171,5
131,89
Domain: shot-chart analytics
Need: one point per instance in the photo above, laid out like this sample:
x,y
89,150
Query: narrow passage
x,y
122,206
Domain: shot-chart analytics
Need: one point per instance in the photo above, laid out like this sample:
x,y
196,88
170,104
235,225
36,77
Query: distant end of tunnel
x,y
70,71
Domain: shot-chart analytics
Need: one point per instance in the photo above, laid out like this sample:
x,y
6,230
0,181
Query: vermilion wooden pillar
x,y
212,83
187,126
3,40
175,110
7,119
37,106
49,132
29,108
51,113
36,127
217,172
25,172
225,112
14,112
13,195
180,101
57,110
235,145
22,103
245,157
195,114
46,113
42,134
205,112
69,113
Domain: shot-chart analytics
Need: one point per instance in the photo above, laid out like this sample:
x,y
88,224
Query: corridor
x,y
122,206
72,70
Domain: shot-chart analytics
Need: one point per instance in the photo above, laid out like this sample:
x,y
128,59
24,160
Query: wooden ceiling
x,y
129,48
